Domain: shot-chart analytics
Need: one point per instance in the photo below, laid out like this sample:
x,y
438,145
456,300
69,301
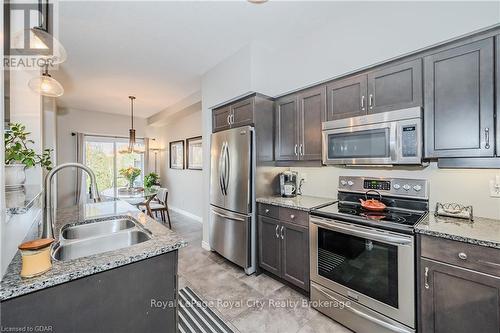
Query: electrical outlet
x,y
495,187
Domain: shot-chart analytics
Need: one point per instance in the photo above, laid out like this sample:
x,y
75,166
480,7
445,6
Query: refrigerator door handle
x,y
229,217
227,168
221,169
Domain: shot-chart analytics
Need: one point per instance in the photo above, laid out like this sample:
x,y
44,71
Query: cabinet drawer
x,y
269,211
475,257
294,216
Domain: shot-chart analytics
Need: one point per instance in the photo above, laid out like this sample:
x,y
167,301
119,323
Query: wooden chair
x,y
161,206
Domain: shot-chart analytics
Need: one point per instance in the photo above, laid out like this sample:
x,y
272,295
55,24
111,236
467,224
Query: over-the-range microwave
x,y
388,138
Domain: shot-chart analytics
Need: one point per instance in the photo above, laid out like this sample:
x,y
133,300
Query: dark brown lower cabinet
x,y
284,250
138,297
459,287
269,245
295,255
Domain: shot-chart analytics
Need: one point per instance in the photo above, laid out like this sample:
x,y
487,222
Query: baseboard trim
x,y
186,213
205,246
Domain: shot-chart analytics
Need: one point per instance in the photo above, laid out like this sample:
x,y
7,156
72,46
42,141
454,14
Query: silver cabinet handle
x,y
229,119
292,216
370,101
276,231
232,118
282,237
487,138
295,150
462,256
426,280
301,149
266,211
363,103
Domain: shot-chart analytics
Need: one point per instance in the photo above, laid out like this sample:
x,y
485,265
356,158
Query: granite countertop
x,y
481,231
301,202
162,240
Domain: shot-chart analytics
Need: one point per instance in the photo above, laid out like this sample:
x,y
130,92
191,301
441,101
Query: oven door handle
x,y
354,231
366,316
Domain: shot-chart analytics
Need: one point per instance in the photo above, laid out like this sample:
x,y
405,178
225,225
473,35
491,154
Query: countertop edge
x,y
270,201
459,238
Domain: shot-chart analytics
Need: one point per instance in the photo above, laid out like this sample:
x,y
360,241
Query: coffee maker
x,y
289,183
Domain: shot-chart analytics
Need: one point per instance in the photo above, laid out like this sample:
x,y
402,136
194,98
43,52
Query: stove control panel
x,y
416,188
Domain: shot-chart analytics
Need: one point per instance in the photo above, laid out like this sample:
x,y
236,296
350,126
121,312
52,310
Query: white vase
x,y
15,175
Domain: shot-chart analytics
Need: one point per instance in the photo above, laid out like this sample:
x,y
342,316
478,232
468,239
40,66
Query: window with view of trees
x,y
106,156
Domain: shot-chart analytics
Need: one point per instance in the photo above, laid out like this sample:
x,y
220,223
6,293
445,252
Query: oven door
x,y
367,144
370,266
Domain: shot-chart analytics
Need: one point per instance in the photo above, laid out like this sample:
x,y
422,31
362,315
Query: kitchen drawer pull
x,y
487,137
292,216
462,256
276,231
426,280
267,211
282,236
363,103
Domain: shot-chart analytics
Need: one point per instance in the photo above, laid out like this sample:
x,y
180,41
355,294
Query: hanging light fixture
x,y
46,85
132,148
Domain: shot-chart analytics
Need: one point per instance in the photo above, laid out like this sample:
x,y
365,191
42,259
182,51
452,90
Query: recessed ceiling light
x,y
257,1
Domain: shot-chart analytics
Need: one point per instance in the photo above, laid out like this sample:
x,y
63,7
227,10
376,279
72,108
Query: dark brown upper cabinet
x,y
242,113
458,101
287,120
234,115
347,98
298,125
220,119
395,87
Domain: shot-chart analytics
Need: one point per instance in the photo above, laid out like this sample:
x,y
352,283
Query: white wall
x,y
184,186
88,122
372,32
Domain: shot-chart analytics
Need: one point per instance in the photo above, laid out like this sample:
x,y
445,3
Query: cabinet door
x,y
458,300
395,87
287,148
269,245
458,101
347,98
312,112
220,119
295,254
242,113
497,84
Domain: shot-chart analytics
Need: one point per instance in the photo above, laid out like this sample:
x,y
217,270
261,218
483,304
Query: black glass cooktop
x,y
390,218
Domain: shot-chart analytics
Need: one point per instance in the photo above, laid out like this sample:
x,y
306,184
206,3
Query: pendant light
x,y
131,133
46,85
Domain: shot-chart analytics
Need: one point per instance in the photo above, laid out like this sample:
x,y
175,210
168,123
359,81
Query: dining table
x,y
137,196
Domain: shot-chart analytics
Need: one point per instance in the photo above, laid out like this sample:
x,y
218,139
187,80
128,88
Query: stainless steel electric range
x,y
363,262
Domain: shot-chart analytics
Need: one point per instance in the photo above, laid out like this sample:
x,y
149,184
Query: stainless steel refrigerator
x,y
232,226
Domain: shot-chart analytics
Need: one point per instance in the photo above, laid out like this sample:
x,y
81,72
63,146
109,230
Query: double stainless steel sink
x,y
82,240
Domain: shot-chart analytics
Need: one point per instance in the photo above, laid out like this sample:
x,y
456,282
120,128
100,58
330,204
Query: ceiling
x,y
158,51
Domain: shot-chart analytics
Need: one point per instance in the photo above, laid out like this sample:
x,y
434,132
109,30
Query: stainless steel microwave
x,y
388,138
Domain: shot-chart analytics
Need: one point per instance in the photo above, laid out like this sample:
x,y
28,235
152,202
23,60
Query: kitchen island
x,y
115,290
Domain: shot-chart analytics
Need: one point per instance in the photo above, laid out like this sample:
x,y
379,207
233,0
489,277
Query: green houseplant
x,y
130,174
19,155
151,179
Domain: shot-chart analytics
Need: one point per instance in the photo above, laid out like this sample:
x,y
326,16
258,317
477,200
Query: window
x,y
107,155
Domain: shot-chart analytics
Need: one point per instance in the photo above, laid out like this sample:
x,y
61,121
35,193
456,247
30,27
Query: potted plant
x,y
151,179
19,156
130,174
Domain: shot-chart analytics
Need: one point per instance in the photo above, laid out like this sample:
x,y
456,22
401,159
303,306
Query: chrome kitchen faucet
x,y
48,222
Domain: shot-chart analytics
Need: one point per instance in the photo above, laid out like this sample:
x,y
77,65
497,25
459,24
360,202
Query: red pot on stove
x,y
373,204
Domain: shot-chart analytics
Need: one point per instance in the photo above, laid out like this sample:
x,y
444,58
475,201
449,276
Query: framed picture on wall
x,y
194,153
177,154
